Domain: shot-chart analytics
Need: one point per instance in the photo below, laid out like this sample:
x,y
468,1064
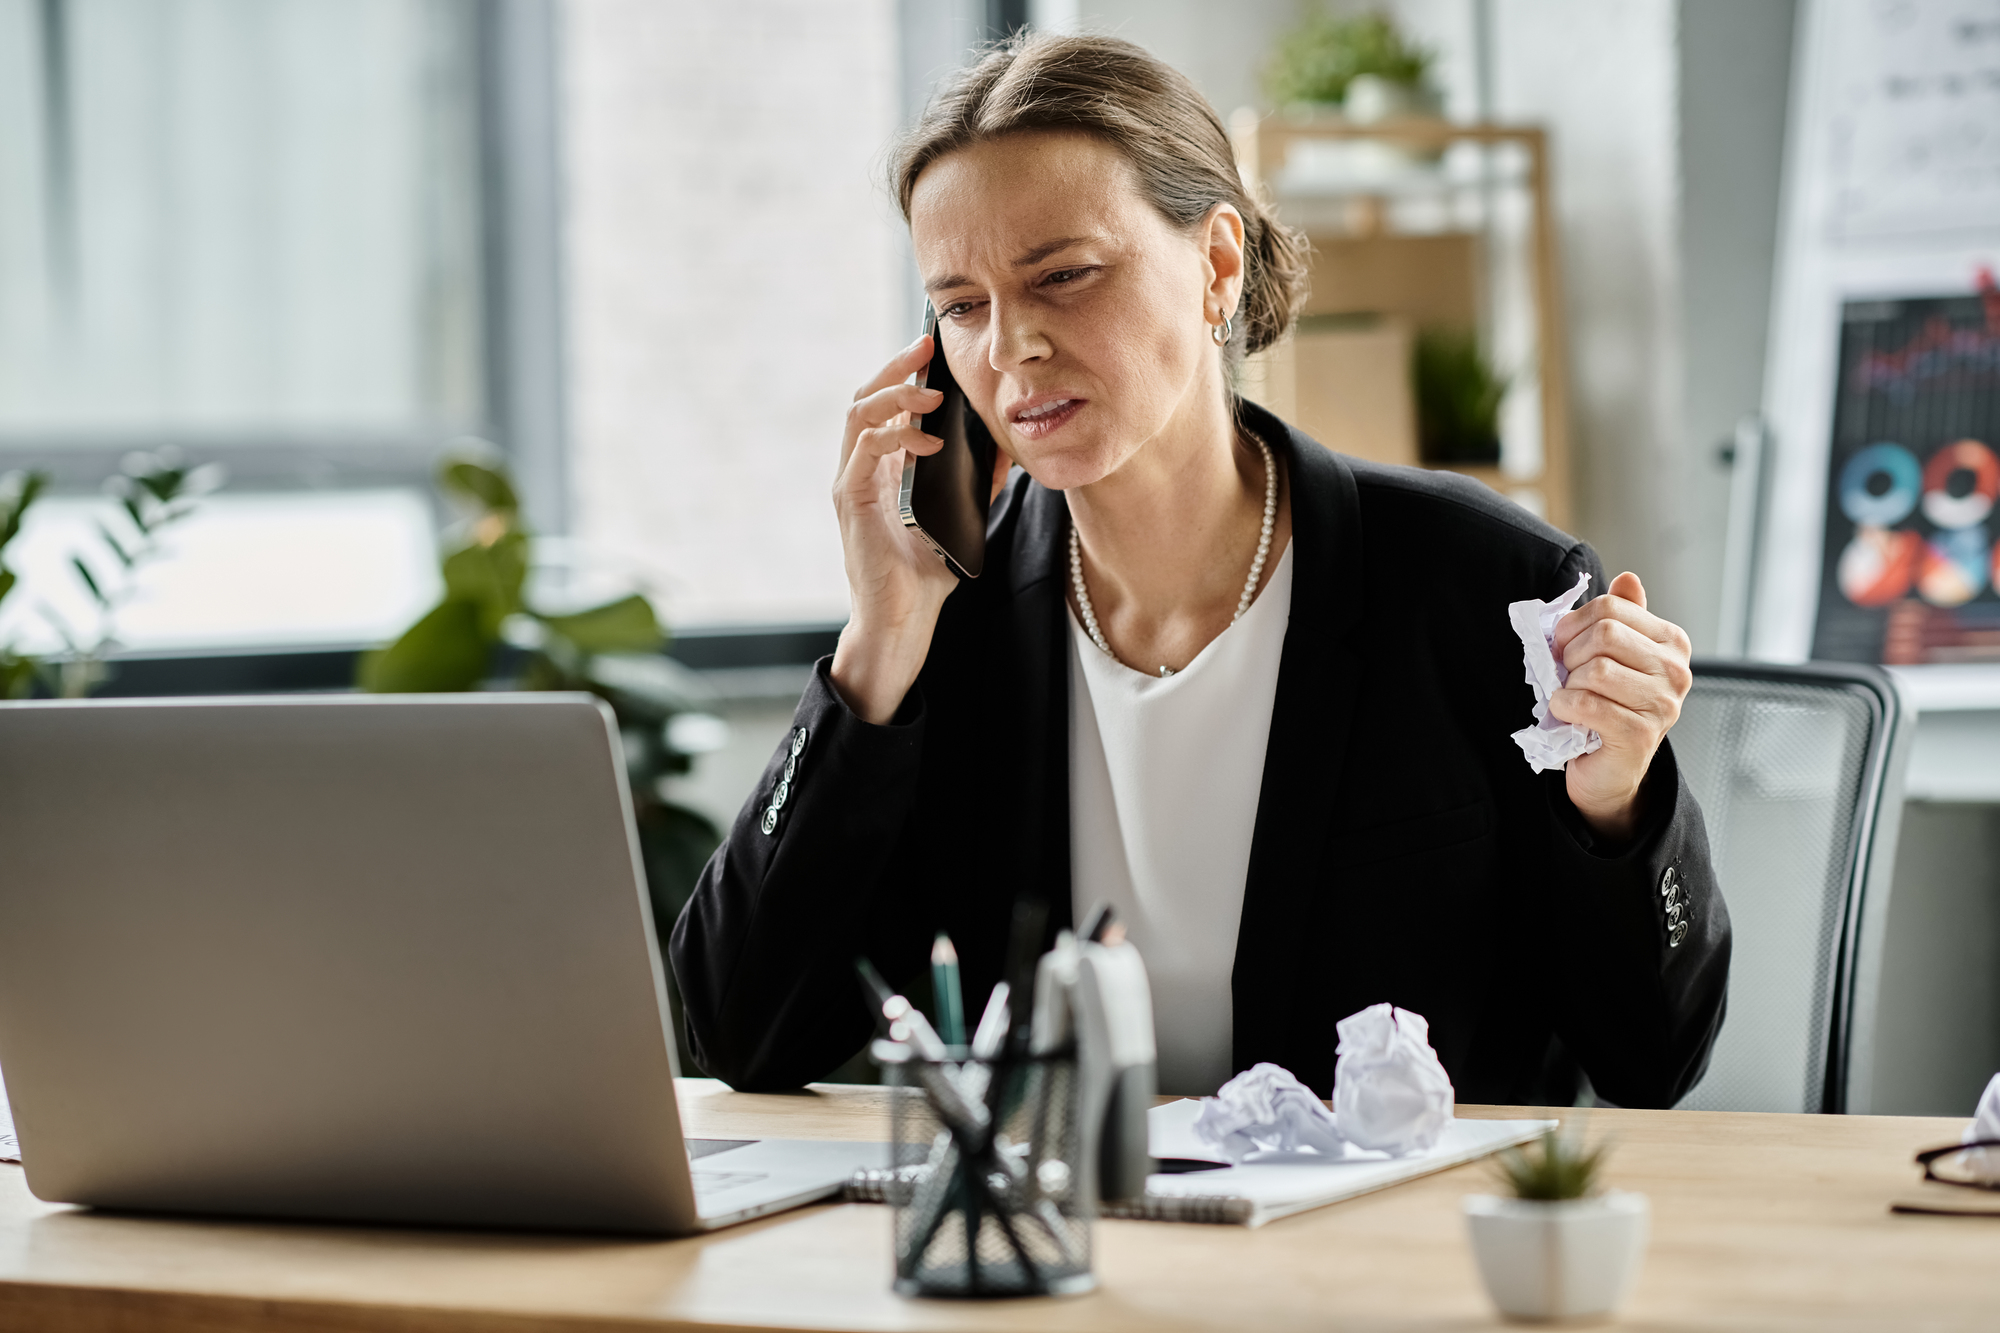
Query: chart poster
x,y
1909,569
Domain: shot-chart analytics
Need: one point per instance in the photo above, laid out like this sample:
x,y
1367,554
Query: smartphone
x,y
946,494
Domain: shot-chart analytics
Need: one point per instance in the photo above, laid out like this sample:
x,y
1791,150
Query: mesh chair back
x,y
1792,766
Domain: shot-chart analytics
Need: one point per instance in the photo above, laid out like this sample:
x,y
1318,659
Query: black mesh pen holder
x,y
988,1189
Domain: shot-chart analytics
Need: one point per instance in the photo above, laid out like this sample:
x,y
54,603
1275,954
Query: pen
x,y
945,990
992,1029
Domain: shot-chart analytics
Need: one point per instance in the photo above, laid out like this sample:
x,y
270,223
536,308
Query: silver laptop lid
x,y
378,958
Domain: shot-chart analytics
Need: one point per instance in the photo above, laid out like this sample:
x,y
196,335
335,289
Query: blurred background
x,y
267,265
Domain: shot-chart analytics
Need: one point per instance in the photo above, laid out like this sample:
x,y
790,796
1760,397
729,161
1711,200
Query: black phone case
x,y
946,495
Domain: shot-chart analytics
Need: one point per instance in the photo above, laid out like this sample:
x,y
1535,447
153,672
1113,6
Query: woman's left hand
x,y
1628,673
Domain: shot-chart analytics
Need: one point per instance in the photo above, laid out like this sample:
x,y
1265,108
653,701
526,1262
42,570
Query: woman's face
x,y
1076,317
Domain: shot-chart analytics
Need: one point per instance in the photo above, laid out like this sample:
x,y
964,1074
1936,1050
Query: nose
x,y
1016,337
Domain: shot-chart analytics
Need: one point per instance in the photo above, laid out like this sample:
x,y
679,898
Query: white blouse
x,y
1165,773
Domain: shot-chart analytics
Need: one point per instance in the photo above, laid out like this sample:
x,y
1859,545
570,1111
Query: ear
x,y
1222,245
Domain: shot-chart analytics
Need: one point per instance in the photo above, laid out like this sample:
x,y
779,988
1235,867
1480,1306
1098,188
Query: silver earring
x,y
1223,332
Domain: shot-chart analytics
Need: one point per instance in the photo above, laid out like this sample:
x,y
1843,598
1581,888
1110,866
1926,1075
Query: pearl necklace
x,y
1089,616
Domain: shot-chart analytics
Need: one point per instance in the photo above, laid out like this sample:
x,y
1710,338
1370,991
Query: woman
x,y
1256,695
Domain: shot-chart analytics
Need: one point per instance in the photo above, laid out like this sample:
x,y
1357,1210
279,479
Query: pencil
x,y
944,986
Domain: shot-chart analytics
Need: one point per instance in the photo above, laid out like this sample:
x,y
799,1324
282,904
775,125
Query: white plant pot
x,y
1573,1259
1372,99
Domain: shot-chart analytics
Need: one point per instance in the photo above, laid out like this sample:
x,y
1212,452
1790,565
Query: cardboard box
x,y
1346,383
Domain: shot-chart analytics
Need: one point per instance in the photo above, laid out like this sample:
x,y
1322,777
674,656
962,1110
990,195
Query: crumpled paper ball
x,y
1264,1109
1551,742
1389,1091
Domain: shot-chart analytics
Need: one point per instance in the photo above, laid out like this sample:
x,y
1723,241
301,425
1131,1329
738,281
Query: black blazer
x,y
1403,851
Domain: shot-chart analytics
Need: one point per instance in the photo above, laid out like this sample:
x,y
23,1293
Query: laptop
x,y
361,958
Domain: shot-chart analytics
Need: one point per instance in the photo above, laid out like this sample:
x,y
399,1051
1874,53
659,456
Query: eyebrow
x,y
1034,256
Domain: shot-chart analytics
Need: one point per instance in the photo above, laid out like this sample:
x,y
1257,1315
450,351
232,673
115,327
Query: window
x,y
287,235
240,223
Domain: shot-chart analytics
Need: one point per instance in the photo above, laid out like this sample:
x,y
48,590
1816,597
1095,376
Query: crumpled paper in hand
x,y
1551,742
1390,1093
1986,1125
1266,1109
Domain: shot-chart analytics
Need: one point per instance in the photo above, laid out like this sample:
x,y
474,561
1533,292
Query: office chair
x,y
1799,771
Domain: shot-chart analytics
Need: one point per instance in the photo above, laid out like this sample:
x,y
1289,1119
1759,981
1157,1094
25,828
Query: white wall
x,y
733,277
1735,60
1222,47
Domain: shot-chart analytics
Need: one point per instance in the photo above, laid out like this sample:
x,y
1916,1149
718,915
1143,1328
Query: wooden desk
x,y
1760,1222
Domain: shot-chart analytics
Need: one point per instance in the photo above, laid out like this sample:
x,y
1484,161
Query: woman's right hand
x,y
896,582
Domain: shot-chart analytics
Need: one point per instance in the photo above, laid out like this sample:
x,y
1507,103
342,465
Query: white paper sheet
x,y
1551,742
10,1147
1280,1185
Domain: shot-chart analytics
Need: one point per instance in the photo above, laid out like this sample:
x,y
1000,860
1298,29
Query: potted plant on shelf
x,y
1359,63
1458,398
1554,1247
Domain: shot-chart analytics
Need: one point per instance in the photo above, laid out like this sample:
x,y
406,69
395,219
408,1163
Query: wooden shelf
x,y
1480,265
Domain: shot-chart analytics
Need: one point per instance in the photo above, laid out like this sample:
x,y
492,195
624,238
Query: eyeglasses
x,y
1975,1165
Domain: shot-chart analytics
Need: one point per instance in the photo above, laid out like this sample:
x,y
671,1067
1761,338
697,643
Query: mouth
x,y
1044,417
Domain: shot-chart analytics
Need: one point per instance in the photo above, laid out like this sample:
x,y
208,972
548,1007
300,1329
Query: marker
x,y
945,989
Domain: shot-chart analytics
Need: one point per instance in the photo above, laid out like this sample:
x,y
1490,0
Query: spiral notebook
x,y
1278,1185
1273,1186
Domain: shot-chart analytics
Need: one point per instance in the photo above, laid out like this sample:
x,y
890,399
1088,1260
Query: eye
x,y
956,310
1067,275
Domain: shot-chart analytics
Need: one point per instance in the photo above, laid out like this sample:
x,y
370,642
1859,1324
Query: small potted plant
x,y
1458,398
1359,63
1554,1247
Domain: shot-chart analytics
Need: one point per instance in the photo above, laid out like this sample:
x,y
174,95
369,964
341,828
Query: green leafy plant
x,y
1554,1167
1316,61
487,628
156,492
17,493
1458,398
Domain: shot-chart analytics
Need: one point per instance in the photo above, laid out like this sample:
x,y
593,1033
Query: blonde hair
x,y
1152,114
